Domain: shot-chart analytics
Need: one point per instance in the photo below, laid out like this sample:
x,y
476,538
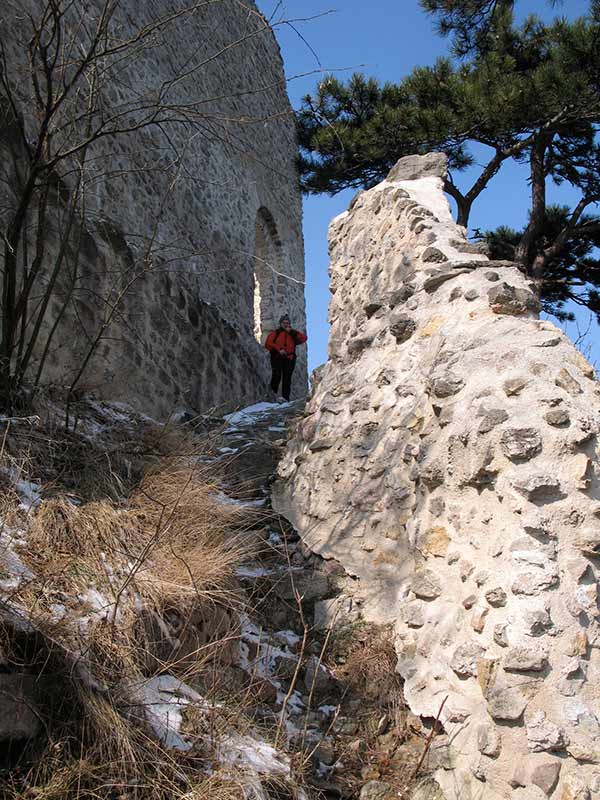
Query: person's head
x,y
284,322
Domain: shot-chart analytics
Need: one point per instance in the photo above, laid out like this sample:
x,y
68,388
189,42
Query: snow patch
x,y
160,702
221,497
254,755
253,572
251,414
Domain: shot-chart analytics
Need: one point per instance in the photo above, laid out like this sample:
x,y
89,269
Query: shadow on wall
x,y
269,280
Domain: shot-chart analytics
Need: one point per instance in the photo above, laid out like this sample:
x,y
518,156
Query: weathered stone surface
x,y
506,703
537,621
325,753
433,255
537,770
446,385
19,715
557,416
358,344
545,735
413,613
402,327
372,308
506,299
588,541
427,789
496,597
514,385
574,787
525,657
532,583
520,444
426,584
309,587
441,276
491,418
500,634
316,677
452,485
538,486
466,657
436,540
401,295
335,610
378,790
412,168
566,381
479,617
489,741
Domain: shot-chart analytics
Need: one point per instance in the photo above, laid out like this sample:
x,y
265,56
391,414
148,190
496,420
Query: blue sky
x,y
384,38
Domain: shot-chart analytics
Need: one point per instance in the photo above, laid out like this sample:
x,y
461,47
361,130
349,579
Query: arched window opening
x,y
268,282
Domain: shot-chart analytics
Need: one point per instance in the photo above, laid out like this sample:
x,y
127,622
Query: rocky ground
x,y
295,695
327,677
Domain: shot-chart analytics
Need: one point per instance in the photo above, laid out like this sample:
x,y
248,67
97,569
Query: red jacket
x,y
285,340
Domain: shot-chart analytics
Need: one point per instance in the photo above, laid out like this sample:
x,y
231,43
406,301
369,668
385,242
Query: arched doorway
x,y
268,279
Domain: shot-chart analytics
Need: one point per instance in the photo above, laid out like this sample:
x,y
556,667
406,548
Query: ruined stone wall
x,y
196,219
448,459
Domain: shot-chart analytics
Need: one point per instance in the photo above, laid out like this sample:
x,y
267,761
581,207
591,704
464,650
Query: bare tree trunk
x,y
9,290
463,205
538,208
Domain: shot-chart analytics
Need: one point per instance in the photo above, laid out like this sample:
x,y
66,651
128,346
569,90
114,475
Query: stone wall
x,y
195,225
448,458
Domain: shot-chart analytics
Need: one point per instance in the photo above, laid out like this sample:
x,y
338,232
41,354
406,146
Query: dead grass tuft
x,y
128,580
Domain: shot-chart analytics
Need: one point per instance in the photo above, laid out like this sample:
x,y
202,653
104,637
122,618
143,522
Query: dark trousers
x,y
281,372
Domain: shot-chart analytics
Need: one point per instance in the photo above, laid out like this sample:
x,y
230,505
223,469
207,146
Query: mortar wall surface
x,y
448,458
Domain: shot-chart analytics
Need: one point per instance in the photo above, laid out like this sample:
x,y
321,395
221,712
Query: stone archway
x,y
269,295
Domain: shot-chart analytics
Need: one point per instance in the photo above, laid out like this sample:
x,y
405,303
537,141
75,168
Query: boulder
x,y
20,717
411,168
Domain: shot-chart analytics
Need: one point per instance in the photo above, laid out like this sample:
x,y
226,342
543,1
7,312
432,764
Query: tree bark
x,y
538,207
463,205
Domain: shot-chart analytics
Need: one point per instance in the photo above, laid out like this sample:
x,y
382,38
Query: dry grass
x,y
363,659
131,579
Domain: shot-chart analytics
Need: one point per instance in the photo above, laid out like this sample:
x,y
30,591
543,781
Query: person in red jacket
x,y
281,344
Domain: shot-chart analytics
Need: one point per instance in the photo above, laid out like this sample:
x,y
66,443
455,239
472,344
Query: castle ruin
x,y
187,243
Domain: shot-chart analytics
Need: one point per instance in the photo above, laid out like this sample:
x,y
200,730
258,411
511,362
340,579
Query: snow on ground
x,y
252,414
101,608
221,497
265,665
255,755
253,572
287,637
29,492
160,702
10,561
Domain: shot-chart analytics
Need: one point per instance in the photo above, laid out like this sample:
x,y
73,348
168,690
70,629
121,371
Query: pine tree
x,y
529,93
